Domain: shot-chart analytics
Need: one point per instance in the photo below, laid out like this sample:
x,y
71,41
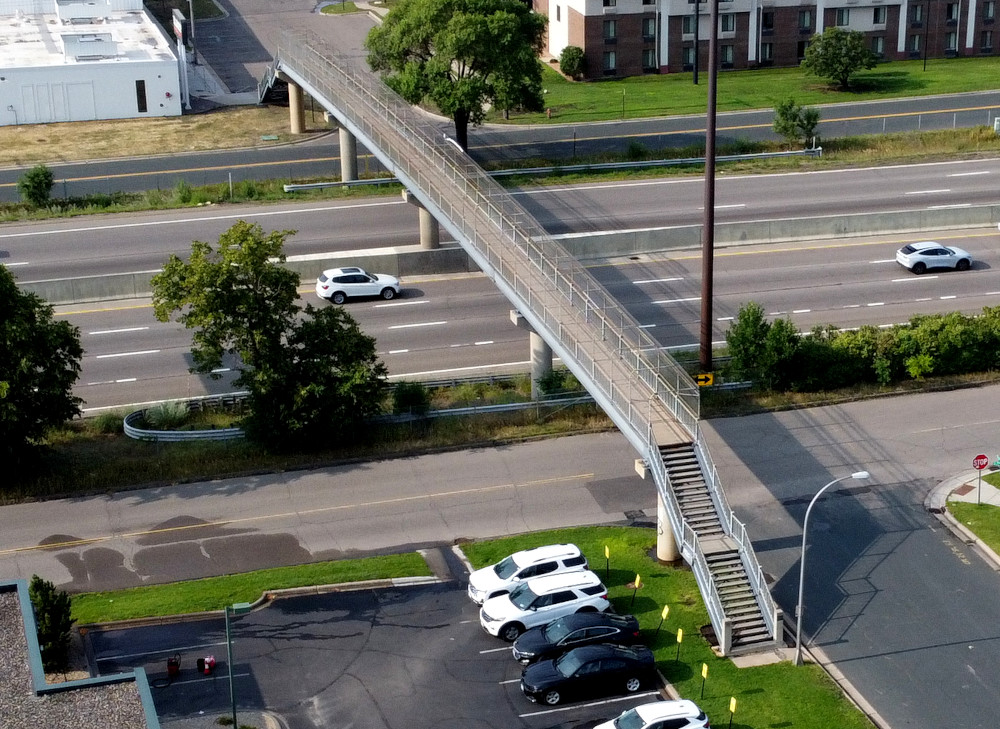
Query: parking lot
x,y
409,657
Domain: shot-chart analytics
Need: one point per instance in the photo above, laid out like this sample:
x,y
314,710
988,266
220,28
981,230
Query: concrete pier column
x,y
430,230
540,352
296,108
348,156
666,544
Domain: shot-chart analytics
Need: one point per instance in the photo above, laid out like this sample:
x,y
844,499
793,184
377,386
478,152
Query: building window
x,y
989,10
878,45
767,21
610,31
914,44
843,17
687,25
649,2
951,42
727,23
878,16
687,56
609,61
648,29
917,14
610,3
649,58
558,13
805,20
140,96
951,13
800,49
726,56
987,41
767,51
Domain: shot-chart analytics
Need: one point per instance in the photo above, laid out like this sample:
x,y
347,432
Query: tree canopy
x,y
838,54
462,55
309,372
39,364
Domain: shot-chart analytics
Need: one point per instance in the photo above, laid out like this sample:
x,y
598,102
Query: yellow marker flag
x,y
666,612
607,552
638,581
680,634
732,704
704,670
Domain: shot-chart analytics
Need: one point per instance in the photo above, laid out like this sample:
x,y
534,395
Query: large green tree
x,y
462,55
838,54
39,364
310,373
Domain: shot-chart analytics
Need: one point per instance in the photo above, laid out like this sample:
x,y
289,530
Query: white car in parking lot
x,y
337,285
681,714
506,574
542,600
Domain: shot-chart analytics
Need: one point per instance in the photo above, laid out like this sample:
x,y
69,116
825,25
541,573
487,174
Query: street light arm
x,y
802,561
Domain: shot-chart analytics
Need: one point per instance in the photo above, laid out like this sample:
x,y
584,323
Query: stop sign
x,y
980,462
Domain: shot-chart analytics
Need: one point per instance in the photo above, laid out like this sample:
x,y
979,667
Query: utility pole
x,y
708,227
194,51
697,17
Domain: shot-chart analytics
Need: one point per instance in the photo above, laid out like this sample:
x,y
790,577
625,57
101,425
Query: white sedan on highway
x,y
921,257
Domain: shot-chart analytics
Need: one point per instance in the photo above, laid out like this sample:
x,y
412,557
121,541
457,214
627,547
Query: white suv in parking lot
x,y
339,284
541,600
508,573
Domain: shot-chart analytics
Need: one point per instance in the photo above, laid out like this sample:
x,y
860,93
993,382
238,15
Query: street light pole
x,y
240,608
802,562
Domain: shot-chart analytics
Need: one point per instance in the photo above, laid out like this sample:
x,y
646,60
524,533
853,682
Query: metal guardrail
x,y
641,388
175,436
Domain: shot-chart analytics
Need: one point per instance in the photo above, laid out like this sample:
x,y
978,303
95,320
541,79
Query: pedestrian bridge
x,y
651,399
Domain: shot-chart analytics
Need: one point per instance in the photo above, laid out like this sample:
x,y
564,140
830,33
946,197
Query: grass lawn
x,y
675,94
983,520
778,695
213,593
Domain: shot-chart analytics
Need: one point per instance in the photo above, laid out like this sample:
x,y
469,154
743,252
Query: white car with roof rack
x,y
508,573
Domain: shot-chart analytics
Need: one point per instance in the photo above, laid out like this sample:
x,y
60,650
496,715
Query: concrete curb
x,y
937,504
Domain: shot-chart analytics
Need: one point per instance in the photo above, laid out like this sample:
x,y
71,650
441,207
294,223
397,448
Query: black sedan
x,y
590,670
573,631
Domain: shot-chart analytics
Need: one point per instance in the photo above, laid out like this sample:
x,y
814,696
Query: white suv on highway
x,y
508,573
337,285
541,600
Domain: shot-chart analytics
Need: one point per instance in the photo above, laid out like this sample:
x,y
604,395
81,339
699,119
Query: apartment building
x,y
632,37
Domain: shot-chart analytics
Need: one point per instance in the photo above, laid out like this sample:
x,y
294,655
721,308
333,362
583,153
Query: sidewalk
x,y
969,488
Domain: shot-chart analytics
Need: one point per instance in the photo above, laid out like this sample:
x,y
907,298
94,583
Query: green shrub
x,y
53,622
35,185
109,423
410,397
166,415
183,192
572,61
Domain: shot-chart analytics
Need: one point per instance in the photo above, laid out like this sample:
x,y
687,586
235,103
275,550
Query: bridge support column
x,y
666,544
296,108
541,354
430,231
348,156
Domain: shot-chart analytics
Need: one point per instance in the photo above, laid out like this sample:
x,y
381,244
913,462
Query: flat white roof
x,y
45,40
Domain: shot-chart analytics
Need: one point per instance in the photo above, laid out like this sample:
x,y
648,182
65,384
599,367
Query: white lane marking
x,y
646,326
914,278
726,318
220,370
165,651
402,303
927,192
495,650
801,311
851,306
876,303
127,354
16,263
884,260
119,331
590,703
127,379
969,174
776,313
926,298
949,207
677,301
485,341
727,207
657,280
944,298
421,324
991,293
398,351
184,221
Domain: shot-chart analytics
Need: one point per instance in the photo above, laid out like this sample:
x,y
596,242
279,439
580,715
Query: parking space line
x,y
165,651
592,703
495,650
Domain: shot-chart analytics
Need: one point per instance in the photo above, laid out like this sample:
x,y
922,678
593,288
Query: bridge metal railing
x,y
643,389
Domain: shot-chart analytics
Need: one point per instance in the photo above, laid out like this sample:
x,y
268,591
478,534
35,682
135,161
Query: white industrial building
x,y
77,60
